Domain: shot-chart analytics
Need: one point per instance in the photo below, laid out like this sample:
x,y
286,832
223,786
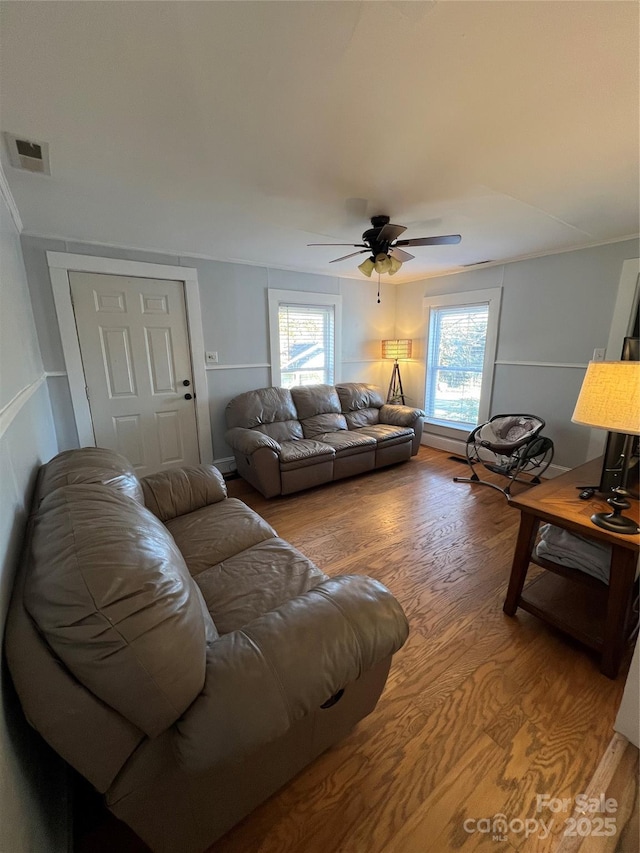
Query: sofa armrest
x,y
284,665
405,416
247,441
179,491
399,415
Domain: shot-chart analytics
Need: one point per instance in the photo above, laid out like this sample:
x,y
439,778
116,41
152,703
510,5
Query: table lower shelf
x,y
576,609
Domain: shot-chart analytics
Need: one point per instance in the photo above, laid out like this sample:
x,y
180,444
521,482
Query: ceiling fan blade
x,y
337,244
389,232
446,240
400,254
352,255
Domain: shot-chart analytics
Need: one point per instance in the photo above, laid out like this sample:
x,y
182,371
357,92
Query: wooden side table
x,y
573,601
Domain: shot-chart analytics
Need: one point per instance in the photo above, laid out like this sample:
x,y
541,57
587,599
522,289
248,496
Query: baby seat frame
x,y
509,445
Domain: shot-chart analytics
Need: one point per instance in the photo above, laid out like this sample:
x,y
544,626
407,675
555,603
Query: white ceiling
x,y
245,130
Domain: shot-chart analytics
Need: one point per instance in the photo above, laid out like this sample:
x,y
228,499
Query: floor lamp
x,y
396,349
610,399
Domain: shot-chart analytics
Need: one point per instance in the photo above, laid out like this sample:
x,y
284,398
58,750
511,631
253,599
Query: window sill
x,y
442,430
448,425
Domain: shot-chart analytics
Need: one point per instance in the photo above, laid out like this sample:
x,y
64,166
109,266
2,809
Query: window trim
x,y
491,296
302,297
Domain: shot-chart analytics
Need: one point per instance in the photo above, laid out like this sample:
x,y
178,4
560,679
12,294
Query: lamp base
x,y
615,521
395,394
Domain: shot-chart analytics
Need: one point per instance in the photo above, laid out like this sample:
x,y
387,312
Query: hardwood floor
x,y
481,713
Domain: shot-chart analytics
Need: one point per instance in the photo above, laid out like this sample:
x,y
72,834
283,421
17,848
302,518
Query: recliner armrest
x,y
247,441
178,491
284,665
399,415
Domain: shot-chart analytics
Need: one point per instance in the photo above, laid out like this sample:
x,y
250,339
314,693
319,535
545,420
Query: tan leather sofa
x,y
177,653
285,440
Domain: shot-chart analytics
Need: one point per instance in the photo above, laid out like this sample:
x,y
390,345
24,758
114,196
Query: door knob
x,y
186,383
188,396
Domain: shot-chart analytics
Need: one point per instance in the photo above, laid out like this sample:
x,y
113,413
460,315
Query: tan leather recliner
x,y
179,655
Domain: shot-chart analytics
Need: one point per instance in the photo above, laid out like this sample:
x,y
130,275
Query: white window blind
x,y
306,343
456,359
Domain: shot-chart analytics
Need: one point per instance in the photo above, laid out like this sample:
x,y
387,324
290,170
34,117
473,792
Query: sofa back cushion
x,y
360,403
112,596
90,465
269,410
318,408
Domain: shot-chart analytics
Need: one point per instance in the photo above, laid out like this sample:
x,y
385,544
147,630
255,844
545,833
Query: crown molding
x,y
7,195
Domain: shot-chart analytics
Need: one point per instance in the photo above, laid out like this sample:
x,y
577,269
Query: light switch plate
x,y
599,354
211,357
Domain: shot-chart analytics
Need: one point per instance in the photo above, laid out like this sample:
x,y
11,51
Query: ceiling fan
x,y
382,244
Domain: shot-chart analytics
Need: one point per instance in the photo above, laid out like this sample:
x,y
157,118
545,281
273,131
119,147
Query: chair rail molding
x,y
12,409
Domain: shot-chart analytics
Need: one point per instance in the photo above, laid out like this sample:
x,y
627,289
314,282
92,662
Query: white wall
x,y
628,719
33,812
235,324
555,310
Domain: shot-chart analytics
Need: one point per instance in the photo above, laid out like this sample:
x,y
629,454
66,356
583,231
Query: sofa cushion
x,y
113,598
362,418
178,491
386,435
216,532
319,424
300,454
358,395
257,580
281,430
90,465
263,406
318,408
348,442
313,400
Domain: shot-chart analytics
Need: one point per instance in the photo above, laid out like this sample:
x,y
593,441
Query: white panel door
x,y
135,354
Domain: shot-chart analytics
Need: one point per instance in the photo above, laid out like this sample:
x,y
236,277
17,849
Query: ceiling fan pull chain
x,y
378,288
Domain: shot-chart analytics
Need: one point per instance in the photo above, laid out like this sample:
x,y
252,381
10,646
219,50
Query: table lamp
x,y
610,399
396,349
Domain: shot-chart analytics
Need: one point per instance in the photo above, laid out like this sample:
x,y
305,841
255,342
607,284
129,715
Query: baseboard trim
x,y
451,445
225,464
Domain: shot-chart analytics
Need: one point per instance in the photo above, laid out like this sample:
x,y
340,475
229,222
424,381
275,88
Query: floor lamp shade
x,y
610,399
397,349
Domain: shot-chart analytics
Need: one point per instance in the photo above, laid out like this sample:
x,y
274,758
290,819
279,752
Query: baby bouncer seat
x,y
510,445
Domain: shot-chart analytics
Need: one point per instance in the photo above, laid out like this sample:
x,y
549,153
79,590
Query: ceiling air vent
x,y
27,154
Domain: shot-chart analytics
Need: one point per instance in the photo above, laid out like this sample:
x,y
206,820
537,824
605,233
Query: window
x,y
460,356
304,328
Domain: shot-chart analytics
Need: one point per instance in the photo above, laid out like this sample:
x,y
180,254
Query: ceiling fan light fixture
x,y
382,263
367,267
395,265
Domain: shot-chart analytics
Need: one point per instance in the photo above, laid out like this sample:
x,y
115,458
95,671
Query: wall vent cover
x,y
28,154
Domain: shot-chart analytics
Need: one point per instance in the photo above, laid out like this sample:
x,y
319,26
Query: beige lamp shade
x,y
398,349
367,267
381,264
610,397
